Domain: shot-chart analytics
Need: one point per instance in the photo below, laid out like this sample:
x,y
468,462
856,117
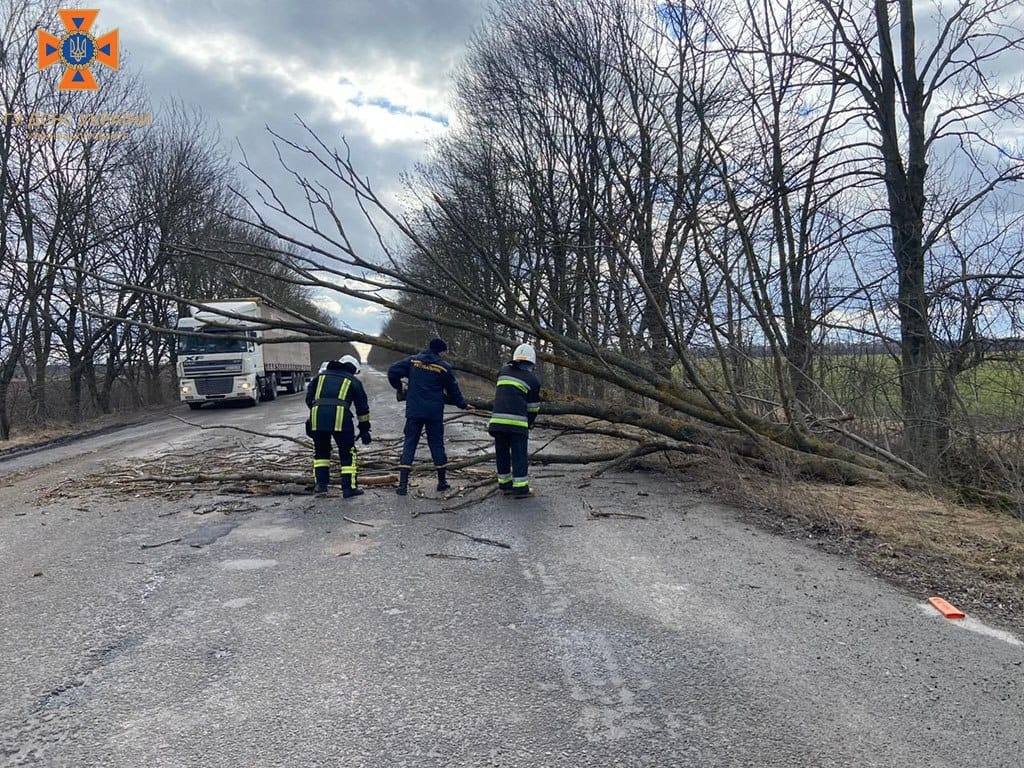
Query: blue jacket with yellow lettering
x,y
432,384
516,399
329,396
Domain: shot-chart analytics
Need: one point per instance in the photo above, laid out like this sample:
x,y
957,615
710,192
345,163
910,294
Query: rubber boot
x,y
522,492
347,491
442,480
403,482
505,488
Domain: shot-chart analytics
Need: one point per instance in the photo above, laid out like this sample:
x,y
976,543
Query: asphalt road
x,y
276,633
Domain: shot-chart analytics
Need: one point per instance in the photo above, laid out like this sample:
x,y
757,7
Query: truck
x,y
235,358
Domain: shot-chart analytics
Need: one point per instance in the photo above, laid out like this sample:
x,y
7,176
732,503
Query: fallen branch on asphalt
x,y
470,501
601,513
478,539
162,543
285,471
417,513
298,441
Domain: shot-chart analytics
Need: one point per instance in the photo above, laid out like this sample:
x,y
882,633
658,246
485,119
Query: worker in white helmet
x,y
516,405
329,396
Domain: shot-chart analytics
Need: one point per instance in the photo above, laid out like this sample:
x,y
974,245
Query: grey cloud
x,y
433,34
422,39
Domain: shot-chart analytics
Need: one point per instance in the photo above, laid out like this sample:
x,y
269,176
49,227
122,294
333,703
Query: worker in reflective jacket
x,y
329,396
516,404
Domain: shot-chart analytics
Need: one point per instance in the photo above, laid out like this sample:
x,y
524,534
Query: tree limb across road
x,y
249,472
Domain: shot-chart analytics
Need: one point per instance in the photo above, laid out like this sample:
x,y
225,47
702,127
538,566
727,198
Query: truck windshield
x,y
205,345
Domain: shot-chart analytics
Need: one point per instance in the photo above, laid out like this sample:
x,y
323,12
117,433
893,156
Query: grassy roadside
x,y
24,438
926,544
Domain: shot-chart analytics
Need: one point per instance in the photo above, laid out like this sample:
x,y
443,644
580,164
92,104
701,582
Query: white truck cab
x,y
229,362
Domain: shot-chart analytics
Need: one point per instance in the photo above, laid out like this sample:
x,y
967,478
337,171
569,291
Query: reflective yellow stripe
x,y
509,381
339,413
512,422
351,468
315,410
353,461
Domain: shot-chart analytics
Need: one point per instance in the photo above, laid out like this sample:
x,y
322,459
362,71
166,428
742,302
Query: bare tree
x,y
681,203
84,194
331,252
928,91
23,95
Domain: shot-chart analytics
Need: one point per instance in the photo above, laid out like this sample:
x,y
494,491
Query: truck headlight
x,y
186,389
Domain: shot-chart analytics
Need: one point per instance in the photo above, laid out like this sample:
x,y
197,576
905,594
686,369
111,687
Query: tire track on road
x,y
606,691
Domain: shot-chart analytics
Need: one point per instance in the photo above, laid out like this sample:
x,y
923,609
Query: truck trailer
x,y
236,358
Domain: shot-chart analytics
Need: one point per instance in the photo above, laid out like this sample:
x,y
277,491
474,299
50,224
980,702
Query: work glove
x,y
401,393
364,434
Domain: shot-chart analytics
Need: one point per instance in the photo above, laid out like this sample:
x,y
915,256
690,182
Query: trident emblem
x,y
78,47
78,50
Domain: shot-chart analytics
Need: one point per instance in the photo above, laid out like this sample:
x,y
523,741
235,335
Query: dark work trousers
x,y
435,441
512,458
346,456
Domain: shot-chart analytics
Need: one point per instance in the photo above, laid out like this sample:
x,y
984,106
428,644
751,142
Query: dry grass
x,y
26,435
25,438
31,436
924,543
987,541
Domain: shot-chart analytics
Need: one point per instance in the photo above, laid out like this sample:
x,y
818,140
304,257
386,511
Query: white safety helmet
x,y
353,361
524,354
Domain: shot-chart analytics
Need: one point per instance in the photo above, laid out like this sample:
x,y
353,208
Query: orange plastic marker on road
x,y
946,609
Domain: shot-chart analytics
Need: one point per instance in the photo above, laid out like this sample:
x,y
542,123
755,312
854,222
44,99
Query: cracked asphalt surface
x,y
272,632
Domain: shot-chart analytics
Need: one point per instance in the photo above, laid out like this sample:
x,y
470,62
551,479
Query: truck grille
x,y
196,369
214,385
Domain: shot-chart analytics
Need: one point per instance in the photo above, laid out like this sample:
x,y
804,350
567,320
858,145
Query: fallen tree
x,y
677,410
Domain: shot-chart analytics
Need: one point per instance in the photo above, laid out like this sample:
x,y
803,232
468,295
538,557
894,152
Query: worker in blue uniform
x,y
428,382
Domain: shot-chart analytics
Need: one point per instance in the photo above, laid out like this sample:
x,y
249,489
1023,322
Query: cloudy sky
x,y
377,72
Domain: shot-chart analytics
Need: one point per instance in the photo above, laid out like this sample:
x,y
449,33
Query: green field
x,y
867,385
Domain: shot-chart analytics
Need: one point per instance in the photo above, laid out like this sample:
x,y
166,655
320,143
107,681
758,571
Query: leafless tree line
x,y
88,214
719,221
694,208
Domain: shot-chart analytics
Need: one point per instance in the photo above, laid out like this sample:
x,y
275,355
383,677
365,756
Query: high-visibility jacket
x,y
432,384
329,396
516,399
